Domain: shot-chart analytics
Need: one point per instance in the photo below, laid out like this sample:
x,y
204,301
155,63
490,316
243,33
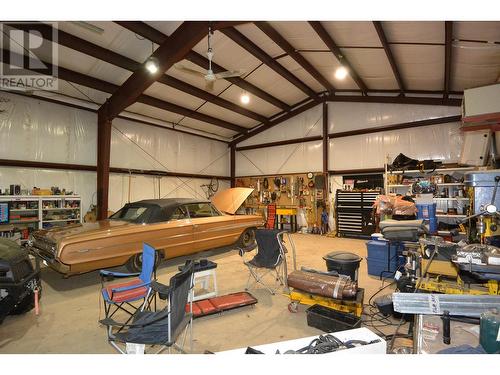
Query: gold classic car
x,y
174,226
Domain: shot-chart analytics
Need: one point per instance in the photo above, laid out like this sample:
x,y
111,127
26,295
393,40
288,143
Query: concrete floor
x,y
71,308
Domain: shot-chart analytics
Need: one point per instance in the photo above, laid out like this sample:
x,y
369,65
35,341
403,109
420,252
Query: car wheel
x,y
25,305
247,238
134,264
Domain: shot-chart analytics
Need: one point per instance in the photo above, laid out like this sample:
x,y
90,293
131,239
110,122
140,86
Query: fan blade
x,y
209,85
229,74
187,70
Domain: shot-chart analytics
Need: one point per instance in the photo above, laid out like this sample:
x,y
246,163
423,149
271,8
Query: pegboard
x,y
287,191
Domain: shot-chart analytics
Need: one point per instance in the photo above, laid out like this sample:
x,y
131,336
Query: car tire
x,y
24,306
134,264
247,238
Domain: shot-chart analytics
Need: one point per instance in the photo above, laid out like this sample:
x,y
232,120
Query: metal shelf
x,y
59,220
450,199
451,215
451,184
59,200
435,171
60,209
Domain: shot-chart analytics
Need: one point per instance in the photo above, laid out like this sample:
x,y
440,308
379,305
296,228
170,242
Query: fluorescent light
x,y
245,98
152,65
341,72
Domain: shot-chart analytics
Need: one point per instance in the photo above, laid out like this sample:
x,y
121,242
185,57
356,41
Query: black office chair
x,y
162,327
271,256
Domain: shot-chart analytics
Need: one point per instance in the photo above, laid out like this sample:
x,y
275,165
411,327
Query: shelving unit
x,y
39,212
443,203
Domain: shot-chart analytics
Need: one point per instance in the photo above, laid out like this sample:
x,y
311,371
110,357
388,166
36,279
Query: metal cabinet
x,y
354,213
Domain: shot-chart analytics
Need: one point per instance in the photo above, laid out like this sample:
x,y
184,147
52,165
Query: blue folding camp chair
x,y
161,329
124,296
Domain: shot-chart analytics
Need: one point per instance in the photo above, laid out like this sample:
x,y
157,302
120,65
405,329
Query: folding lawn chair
x,y
124,296
271,256
161,327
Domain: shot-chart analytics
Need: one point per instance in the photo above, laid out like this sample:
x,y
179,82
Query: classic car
x,y
174,226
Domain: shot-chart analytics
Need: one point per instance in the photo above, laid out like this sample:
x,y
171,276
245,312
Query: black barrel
x,y
344,263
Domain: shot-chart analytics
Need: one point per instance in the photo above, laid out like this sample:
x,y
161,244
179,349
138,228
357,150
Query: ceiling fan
x,y
209,76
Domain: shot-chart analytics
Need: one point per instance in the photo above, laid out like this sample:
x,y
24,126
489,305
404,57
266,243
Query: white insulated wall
x,y
295,158
443,141
36,130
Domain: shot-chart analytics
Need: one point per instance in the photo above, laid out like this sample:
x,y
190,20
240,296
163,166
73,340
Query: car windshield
x,y
134,214
202,210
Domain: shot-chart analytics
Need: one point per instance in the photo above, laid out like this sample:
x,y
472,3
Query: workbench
x,y
291,213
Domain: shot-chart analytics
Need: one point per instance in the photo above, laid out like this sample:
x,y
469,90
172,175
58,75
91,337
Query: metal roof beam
x,y
158,37
292,52
110,88
185,37
395,99
332,46
447,57
257,52
83,46
297,110
388,53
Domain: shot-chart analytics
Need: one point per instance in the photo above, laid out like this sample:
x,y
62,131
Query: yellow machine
x,y
438,285
443,276
354,306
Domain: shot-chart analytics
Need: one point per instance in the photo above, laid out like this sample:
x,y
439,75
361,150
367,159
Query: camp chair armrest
x,y
117,274
131,287
247,249
161,289
114,323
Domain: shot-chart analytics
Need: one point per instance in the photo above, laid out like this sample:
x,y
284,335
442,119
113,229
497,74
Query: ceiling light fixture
x,y
341,72
152,65
245,98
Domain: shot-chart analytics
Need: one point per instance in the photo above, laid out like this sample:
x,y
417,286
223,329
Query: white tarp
x,y
35,130
306,124
145,147
295,158
441,142
355,116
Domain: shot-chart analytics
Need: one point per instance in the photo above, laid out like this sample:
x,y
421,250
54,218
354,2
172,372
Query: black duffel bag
x,y
404,163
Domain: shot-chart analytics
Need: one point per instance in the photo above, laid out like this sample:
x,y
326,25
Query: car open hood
x,y
230,200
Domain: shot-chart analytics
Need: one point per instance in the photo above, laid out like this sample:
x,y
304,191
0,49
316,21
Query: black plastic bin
x,y
344,263
330,320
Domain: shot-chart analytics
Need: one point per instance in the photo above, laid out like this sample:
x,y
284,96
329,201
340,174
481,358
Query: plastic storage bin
x,y
384,257
382,250
382,268
330,320
426,211
433,224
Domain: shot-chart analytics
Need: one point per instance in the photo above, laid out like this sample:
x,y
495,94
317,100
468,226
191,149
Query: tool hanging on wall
x,y
277,182
265,184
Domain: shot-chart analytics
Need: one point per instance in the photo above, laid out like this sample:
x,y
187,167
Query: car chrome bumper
x,y
51,262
